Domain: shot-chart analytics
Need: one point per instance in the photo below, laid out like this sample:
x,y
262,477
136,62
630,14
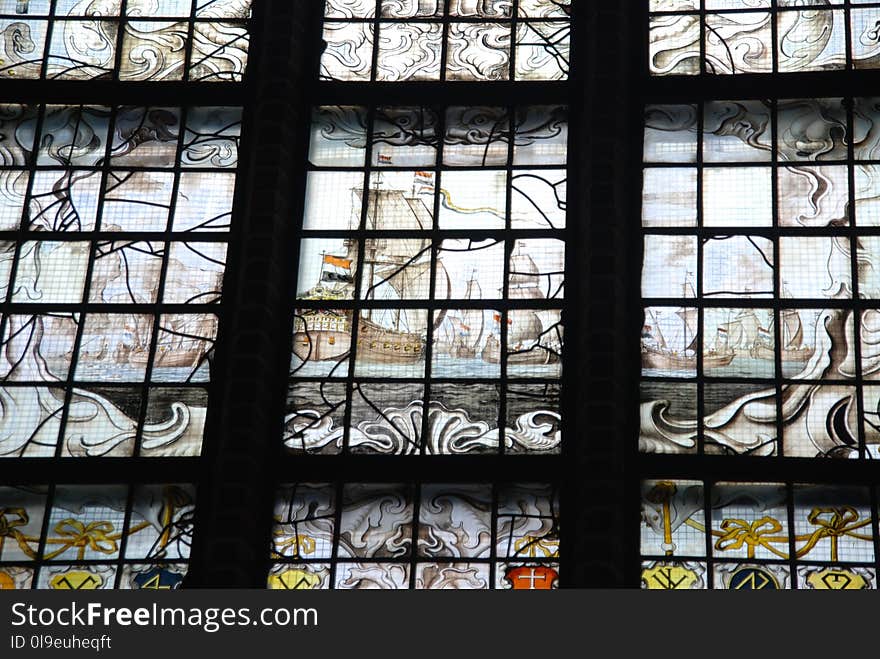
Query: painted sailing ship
x,y
792,346
399,267
460,335
323,335
739,334
531,338
183,345
682,356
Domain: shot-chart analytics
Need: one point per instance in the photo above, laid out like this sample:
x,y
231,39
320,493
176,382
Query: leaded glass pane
x,y
78,537
757,281
395,297
464,536
760,536
99,212
482,41
153,40
726,37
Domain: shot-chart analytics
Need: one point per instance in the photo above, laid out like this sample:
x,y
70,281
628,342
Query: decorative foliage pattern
x,y
113,227
75,537
760,278
691,37
148,40
430,536
748,536
481,40
431,268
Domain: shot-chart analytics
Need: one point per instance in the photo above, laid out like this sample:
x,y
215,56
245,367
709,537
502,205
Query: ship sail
x,y
792,330
525,278
445,335
472,327
525,327
408,280
392,210
473,320
742,331
689,318
661,339
404,264
550,332
400,268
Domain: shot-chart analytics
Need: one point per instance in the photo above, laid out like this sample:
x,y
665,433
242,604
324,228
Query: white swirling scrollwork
x,y
397,431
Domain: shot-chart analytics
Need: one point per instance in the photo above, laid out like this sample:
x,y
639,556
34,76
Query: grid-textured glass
x,y
126,40
396,40
114,227
428,536
759,280
431,268
758,536
78,537
693,37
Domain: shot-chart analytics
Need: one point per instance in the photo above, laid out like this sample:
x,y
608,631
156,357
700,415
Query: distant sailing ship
x,y
741,334
183,346
403,265
531,338
683,356
792,345
460,336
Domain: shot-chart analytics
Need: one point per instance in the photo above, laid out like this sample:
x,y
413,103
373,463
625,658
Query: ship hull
x,y
321,345
379,344
799,356
463,352
170,359
538,356
667,361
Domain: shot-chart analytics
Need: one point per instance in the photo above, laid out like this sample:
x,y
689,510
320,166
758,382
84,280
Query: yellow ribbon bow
x,y
73,533
533,545
300,544
8,530
761,533
833,523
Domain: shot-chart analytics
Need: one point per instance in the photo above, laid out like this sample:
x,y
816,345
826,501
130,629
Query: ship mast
x,y
684,294
372,255
688,293
471,315
659,331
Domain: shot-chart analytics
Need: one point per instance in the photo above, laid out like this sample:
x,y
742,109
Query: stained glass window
x,y
78,537
114,224
431,268
690,37
756,536
126,40
396,40
757,288
758,306
429,536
